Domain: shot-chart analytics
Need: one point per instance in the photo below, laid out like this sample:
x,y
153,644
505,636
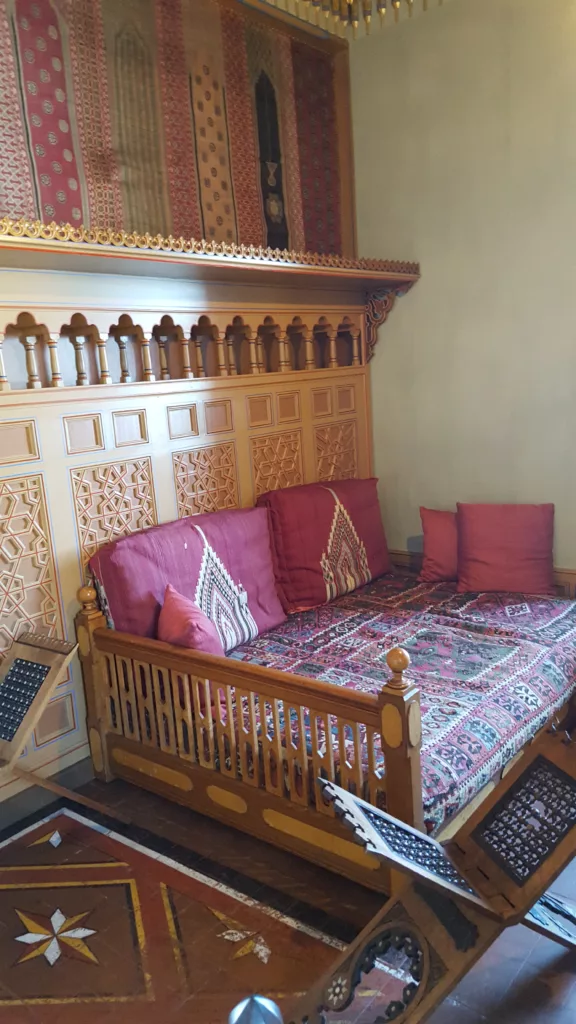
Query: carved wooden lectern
x,y
29,674
458,897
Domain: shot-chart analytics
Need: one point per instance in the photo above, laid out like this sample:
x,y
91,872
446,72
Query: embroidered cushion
x,y
505,548
183,623
440,560
328,539
221,561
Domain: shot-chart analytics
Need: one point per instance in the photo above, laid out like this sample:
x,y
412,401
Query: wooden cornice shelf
x,y
35,246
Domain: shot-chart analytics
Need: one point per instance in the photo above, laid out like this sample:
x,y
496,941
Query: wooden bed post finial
x,y
87,598
88,620
398,661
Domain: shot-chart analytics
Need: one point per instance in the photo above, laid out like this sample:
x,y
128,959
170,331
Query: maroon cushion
x,y
440,560
505,548
221,561
328,540
183,623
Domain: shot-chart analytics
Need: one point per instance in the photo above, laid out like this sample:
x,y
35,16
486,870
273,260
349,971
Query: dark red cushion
x,y
328,539
440,560
183,623
222,561
505,548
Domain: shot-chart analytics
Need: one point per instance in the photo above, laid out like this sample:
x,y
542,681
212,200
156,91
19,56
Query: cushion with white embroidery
x,y
221,561
328,540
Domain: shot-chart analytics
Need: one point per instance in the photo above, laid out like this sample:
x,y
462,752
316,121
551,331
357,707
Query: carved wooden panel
x,y
110,500
277,461
182,421
206,479
130,427
84,433
18,442
346,398
337,451
288,407
218,416
259,408
321,402
59,719
29,594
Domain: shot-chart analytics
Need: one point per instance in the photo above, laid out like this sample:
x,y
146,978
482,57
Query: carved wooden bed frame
x,y
260,381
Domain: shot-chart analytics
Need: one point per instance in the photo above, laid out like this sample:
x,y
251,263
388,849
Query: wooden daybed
x,y
136,413
153,717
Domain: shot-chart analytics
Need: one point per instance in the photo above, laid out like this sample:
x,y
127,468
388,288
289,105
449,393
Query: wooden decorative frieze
x,y
110,500
206,479
277,461
337,451
29,595
205,349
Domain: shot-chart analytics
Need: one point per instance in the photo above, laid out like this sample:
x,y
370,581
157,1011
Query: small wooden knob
x,y
398,660
87,596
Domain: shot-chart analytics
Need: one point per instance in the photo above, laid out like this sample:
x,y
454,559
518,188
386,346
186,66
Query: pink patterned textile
x,y
491,668
221,561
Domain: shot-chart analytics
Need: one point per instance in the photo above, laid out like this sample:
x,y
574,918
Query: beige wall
x,y
465,149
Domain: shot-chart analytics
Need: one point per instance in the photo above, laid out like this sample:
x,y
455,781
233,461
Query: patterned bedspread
x,y
492,668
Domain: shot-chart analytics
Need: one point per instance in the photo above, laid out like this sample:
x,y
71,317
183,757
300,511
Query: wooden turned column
x,y
332,355
105,377
401,730
199,359
232,368
162,357
147,370
221,353
356,345
309,360
284,364
125,377
55,375
254,368
29,344
187,372
77,342
4,383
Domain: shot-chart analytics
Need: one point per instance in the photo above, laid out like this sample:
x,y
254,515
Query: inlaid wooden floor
x,y
523,978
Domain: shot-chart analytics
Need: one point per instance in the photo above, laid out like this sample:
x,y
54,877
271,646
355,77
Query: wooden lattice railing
x,y
255,725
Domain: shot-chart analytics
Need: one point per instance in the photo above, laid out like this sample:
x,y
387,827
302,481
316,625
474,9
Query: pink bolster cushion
x,y
505,548
440,560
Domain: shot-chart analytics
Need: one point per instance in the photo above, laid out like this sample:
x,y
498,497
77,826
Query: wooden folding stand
x,y
29,674
458,897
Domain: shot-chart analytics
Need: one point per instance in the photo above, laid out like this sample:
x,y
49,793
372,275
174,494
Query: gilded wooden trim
x,y
66,233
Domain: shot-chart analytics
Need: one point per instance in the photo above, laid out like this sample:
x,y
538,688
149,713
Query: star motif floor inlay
x,y
55,936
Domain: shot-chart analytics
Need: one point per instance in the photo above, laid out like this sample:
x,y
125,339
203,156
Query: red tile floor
x,y
233,894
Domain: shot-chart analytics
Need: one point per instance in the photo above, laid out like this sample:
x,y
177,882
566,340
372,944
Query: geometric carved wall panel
x,y
277,461
337,451
29,595
111,500
206,479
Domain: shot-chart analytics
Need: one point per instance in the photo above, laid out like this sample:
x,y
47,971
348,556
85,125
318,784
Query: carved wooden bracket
x,y
376,310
